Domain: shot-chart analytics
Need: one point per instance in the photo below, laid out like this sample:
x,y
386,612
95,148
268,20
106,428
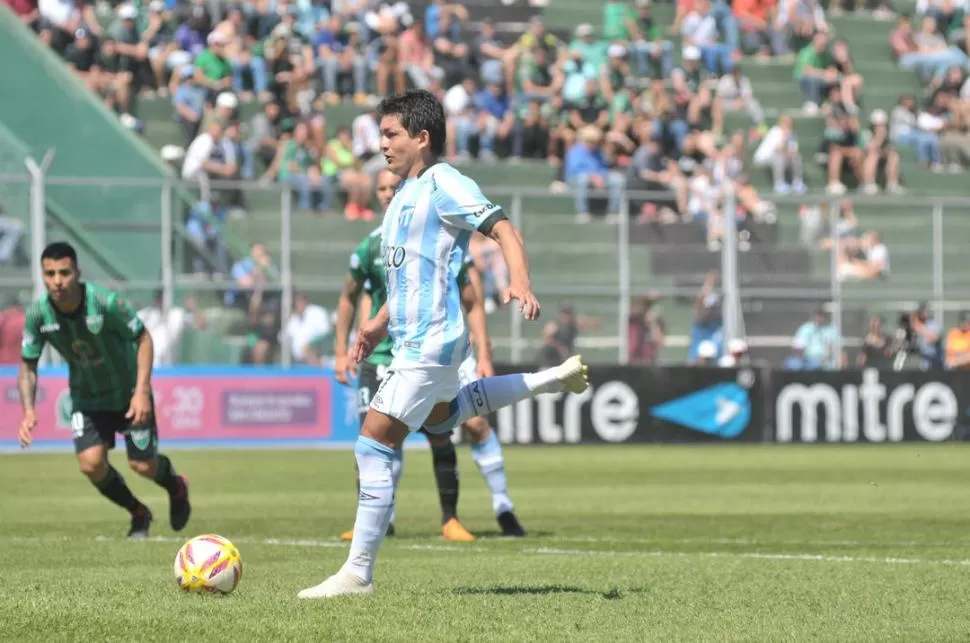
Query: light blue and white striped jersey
x,y
424,240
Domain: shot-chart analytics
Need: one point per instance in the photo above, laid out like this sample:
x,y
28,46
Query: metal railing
x,y
917,229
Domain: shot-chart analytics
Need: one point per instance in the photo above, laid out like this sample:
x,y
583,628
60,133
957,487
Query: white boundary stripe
x,y
754,555
541,551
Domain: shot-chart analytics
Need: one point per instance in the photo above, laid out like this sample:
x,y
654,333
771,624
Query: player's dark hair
x,y
418,110
60,250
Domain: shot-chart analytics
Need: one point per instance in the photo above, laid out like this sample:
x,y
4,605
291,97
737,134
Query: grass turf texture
x,y
626,543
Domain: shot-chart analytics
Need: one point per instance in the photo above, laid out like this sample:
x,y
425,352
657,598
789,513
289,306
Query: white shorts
x,y
468,371
409,394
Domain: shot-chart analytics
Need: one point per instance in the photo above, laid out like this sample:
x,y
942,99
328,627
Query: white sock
x,y
397,469
490,394
488,456
375,504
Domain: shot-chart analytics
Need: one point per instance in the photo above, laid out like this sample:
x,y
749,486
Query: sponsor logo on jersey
x,y
50,328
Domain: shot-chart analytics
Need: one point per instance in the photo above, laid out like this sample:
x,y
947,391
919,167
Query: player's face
x,y
387,182
60,278
400,149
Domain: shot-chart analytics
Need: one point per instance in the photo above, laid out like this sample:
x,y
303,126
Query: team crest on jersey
x,y
405,216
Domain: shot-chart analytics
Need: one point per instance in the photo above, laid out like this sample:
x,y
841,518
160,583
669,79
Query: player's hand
x,y
369,335
140,409
485,368
528,303
344,369
27,425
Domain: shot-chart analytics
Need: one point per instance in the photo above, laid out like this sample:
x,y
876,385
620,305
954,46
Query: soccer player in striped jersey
x,y
424,238
109,355
365,283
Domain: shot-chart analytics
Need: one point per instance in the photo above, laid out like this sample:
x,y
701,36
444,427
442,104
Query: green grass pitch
x,y
626,544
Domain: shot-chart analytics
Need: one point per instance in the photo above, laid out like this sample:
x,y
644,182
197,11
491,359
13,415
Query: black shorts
x,y
92,428
369,379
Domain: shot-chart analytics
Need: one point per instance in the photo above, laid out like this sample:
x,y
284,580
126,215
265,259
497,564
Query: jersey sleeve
x,y
459,201
360,259
121,318
32,342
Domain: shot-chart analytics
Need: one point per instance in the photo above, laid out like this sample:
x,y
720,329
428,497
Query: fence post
x,y
38,216
938,283
834,281
515,327
730,302
168,270
623,257
286,269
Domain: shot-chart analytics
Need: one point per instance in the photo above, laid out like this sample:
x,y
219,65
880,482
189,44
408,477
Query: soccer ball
x,y
208,564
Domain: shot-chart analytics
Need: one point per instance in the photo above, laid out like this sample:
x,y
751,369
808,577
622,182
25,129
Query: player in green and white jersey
x,y
366,276
109,355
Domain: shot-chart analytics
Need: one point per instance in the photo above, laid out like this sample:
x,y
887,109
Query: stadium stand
x,y
670,256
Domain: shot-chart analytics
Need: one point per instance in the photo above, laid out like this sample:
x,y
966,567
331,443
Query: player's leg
x,y
487,395
402,402
487,453
444,460
141,443
92,440
369,378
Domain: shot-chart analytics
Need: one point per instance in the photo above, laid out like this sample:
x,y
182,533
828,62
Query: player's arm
x,y
460,202
346,310
122,319
473,300
31,347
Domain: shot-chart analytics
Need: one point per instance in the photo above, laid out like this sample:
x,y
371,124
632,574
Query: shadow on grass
x,y
540,590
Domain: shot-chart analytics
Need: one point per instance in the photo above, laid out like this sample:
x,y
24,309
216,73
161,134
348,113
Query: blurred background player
x,y
424,239
365,284
109,355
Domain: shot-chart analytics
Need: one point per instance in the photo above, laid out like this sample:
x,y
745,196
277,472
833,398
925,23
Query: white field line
x,y
541,551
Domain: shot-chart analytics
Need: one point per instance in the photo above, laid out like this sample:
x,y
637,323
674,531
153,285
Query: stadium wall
x,y
306,407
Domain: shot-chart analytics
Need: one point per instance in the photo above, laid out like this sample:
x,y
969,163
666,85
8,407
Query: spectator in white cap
x,y
706,353
189,104
737,354
212,69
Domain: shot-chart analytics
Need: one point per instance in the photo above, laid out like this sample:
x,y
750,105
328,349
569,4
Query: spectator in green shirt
x,y
586,48
297,167
813,73
212,69
651,51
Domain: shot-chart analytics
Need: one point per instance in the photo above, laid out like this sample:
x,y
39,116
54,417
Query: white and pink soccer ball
x,y
208,564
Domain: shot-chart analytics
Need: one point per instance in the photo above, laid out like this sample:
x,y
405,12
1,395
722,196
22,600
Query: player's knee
x,y
144,468
94,468
477,429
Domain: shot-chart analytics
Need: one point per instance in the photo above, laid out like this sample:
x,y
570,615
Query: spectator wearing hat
x,y
958,344
737,354
699,29
82,56
694,98
212,69
795,361
189,103
132,49
706,353
880,152
585,168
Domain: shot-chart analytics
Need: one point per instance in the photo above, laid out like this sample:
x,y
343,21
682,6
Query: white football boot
x,y
340,584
